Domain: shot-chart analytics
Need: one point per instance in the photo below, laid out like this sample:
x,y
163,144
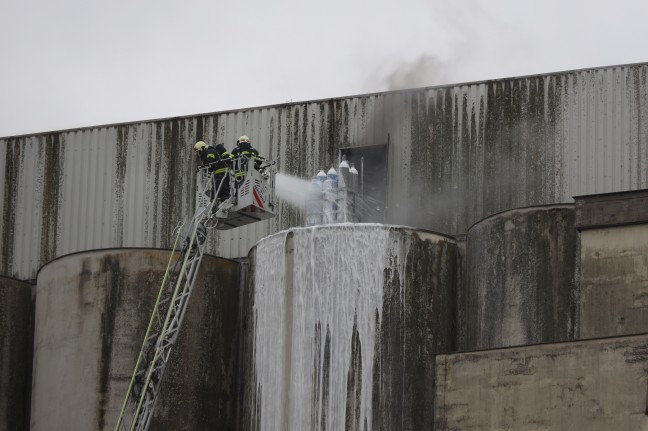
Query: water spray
x,y
293,190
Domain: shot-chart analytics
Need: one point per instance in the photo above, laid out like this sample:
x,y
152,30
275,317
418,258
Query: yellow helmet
x,y
242,139
200,146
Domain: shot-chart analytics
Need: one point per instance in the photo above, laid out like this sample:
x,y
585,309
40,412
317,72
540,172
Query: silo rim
x,y
382,225
530,207
121,249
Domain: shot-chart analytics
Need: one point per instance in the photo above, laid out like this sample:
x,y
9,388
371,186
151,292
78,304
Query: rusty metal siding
x,y
456,154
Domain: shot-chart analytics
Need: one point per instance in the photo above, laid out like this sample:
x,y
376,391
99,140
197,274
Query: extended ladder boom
x,y
166,319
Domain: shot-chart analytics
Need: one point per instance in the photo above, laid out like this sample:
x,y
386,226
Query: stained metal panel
x,y
457,154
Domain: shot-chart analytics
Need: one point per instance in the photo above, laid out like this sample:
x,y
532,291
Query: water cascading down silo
x,y
342,325
92,310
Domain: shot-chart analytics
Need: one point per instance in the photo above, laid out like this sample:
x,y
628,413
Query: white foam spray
x,y
292,189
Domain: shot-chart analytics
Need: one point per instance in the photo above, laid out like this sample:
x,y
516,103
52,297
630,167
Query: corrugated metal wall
x,y
457,154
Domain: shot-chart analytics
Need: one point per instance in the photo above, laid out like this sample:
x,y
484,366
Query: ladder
x,y
168,312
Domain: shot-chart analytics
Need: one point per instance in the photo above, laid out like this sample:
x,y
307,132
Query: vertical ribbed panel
x,y
456,154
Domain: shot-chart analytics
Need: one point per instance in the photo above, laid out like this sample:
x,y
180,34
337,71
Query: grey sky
x,y
76,63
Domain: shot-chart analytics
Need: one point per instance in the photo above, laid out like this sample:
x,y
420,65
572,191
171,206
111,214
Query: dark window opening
x,y
371,163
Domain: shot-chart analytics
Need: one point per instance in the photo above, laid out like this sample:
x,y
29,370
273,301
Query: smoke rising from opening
x,y
425,71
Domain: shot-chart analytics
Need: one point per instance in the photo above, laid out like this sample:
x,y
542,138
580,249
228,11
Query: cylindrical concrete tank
x,y
520,279
16,340
342,327
92,310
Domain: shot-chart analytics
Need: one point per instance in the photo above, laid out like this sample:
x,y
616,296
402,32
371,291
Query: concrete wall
x,y
91,314
416,323
520,283
457,154
614,280
341,326
16,338
586,385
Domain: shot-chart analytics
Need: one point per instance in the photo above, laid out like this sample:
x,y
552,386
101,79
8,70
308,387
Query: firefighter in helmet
x,y
219,162
243,152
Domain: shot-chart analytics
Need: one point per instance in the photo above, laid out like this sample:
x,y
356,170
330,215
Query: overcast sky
x,y
75,63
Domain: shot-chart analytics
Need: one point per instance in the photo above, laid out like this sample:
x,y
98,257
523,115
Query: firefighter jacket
x,y
244,150
219,162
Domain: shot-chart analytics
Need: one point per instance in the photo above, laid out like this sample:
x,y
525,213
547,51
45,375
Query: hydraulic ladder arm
x,y
166,319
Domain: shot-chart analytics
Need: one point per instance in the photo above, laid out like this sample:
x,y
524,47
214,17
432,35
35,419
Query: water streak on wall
x,y
307,319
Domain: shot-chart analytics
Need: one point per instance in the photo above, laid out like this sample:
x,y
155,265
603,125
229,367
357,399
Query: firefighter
x,y
243,151
219,162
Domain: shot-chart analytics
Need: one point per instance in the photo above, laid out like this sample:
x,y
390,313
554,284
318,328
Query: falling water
x,y
310,302
270,337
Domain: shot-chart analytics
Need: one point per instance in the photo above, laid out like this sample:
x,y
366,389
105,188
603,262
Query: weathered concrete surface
x,y
520,279
16,341
417,322
338,338
92,310
461,316
614,281
247,390
585,385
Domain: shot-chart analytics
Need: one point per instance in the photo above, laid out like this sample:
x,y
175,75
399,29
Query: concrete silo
x,y
520,286
342,326
92,310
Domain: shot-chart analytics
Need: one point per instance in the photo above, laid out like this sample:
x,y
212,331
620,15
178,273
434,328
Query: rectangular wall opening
x,y
371,162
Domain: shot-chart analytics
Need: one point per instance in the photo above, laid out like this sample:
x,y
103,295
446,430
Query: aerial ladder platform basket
x,y
252,189
251,199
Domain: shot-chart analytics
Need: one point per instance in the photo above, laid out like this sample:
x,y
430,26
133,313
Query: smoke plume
x,y
427,70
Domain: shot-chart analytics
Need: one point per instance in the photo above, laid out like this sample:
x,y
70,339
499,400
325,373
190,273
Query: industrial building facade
x,y
455,155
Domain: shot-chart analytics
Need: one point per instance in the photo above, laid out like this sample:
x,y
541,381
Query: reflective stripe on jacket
x,y
244,150
218,163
